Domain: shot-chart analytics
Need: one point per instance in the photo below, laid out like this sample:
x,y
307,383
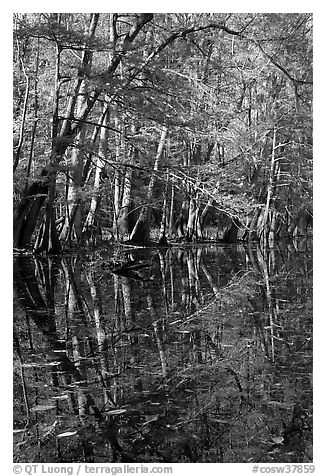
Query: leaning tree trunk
x,y
47,239
26,216
60,143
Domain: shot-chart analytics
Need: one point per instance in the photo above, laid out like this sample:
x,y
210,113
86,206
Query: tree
x,y
233,90
71,126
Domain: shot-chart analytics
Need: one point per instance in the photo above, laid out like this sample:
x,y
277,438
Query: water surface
x,y
193,354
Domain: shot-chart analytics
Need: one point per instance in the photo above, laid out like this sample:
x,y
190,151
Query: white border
x,y
319,200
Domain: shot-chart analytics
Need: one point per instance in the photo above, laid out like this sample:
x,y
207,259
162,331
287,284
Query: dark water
x,y
199,354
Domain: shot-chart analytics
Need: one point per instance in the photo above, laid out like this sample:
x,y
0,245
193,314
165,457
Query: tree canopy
x,y
141,127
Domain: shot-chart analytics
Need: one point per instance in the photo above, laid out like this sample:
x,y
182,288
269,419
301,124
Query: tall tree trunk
x,y
90,222
117,182
181,222
193,212
140,232
122,180
162,236
36,118
192,215
123,220
171,213
265,220
22,124
203,215
127,303
72,230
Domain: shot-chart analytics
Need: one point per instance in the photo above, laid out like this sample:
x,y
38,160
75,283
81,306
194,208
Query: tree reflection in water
x,y
199,354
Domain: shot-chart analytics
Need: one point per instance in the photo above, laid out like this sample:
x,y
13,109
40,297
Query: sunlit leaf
x,y
42,408
40,364
151,419
277,404
116,412
220,420
67,433
278,440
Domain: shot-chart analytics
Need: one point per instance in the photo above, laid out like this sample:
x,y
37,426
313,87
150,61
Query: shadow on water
x,y
198,354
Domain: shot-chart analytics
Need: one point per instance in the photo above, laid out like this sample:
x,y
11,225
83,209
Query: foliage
x,y
234,91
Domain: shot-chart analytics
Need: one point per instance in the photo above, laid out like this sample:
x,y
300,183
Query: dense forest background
x,y
142,128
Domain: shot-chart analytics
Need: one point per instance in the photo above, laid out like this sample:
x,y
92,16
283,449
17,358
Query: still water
x,y
192,354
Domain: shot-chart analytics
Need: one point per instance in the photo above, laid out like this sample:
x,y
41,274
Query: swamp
x,y
162,237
